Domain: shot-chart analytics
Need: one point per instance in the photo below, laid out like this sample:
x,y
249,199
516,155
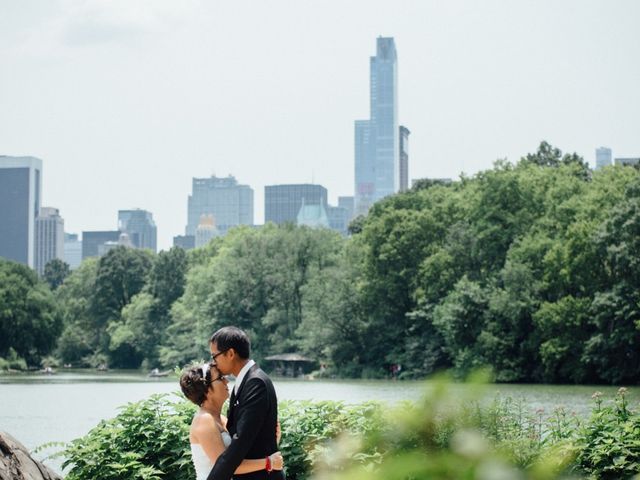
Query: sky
x,y
126,101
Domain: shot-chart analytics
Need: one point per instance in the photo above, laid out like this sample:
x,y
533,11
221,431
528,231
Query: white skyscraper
x,y
49,237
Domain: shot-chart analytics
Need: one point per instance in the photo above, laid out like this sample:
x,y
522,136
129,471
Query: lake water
x,y
38,409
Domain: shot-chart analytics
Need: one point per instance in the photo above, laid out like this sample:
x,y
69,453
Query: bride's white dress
x,y
201,462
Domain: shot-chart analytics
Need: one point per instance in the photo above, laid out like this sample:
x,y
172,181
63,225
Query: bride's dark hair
x,y
195,383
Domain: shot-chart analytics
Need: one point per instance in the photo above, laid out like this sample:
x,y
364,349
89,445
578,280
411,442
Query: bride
x,y
207,388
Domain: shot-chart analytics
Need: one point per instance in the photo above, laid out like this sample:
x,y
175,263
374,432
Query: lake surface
x,y
38,409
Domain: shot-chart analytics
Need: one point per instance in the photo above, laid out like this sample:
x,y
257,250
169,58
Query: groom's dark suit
x,y
252,419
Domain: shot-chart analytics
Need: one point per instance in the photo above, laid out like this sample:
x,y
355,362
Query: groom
x,y
253,407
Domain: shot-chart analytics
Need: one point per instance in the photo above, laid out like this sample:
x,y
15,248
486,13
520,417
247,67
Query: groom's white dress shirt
x,y
241,375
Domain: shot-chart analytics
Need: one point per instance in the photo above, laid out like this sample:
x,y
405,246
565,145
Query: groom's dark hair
x,y
232,337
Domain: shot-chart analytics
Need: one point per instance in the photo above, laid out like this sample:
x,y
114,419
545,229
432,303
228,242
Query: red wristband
x,y
268,466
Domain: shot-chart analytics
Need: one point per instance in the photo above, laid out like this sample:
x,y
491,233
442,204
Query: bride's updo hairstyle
x,y
195,383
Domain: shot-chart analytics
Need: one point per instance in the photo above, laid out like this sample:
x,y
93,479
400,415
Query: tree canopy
x,y
530,268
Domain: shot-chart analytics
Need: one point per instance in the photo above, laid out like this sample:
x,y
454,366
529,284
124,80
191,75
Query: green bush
x,y
148,440
13,361
447,435
308,427
609,443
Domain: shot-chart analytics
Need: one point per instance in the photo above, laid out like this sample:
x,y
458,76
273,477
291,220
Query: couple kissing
x,y
244,444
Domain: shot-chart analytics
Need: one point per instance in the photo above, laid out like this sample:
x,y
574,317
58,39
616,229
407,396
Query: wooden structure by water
x,y
291,364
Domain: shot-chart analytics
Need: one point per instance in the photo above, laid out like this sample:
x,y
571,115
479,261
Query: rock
x,y
17,464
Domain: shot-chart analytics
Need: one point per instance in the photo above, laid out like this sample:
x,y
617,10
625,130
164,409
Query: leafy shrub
x,y
446,435
148,440
13,361
307,427
609,444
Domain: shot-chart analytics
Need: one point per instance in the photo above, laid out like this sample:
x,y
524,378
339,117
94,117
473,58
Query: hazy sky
x,y
126,101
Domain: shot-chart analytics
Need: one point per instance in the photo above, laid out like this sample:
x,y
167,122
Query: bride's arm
x,y
206,432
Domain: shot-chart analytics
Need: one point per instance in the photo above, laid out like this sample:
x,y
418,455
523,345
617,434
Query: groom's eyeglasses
x,y
213,357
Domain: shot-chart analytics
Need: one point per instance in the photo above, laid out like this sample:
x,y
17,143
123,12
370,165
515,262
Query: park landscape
x,y
523,273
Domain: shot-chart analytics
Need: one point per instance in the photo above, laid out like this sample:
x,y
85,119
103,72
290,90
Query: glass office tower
x,y
140,227
229,202
282,203
377,165
20,186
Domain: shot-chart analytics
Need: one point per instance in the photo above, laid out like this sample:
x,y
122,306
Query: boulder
x,y
17,464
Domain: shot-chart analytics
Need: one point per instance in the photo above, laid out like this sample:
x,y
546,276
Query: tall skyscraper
x,y
49,237
282,202
140,227
20,187
404,158
230,203
377,165
603,157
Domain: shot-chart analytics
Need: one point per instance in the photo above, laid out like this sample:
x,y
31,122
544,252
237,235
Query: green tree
x,y
55,272
142,329
167,278
30,321
332,329
550,156
509,340
255,280
460,319
613,348
79,340
122,273
564,329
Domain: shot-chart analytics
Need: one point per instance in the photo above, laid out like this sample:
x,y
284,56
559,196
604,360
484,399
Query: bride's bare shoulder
x,y
202,421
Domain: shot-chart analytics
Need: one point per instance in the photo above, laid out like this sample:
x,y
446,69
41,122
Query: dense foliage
x,y
443,436
148,440
116,308
55,272
532,269
30,321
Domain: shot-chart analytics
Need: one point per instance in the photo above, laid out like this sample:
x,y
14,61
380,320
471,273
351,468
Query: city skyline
x,y
269,93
